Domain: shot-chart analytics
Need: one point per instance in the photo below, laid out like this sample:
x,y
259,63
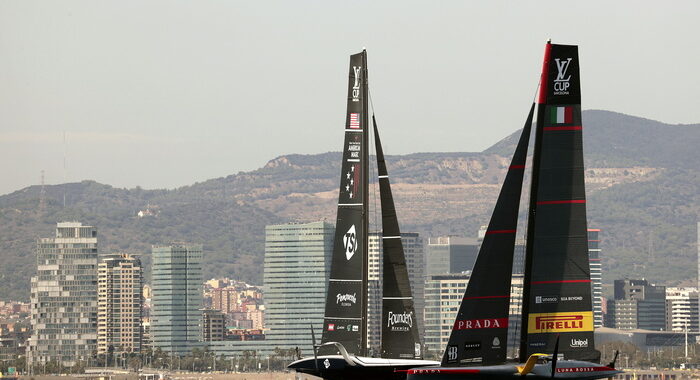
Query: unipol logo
x,y
356,86
561,82
350,242
578,343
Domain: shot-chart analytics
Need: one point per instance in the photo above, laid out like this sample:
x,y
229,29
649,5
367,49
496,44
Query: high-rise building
x,y
443,295
119,304
213,325
596,276
637,305
64,297
176,280
682,309
450,254
296,270
414,254
225,299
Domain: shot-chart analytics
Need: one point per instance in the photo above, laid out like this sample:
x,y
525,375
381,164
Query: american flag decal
x,y
355,120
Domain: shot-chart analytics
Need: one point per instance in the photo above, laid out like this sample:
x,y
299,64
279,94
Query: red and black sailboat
x,y
342,353
556,338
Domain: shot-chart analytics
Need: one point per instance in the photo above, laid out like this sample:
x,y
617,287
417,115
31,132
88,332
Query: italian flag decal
x,y
561,115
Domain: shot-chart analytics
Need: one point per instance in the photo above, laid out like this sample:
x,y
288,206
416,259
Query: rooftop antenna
x,y
64,169
42,196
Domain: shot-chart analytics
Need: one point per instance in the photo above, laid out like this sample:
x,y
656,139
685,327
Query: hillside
x,y
642,185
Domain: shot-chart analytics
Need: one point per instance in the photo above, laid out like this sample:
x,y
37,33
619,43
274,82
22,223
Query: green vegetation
x,y
648,227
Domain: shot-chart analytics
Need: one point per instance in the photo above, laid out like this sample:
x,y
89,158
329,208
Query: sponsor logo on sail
x,y
346,299
356,86
416,350
355,328
477,359
331,327
561,82
350,242
495,343
560,322
355,120
472,346
326,363
572,298
546,299
400,322
488,323
578,343
451,353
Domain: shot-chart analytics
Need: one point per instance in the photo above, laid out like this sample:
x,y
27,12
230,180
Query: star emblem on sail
x,y
350,242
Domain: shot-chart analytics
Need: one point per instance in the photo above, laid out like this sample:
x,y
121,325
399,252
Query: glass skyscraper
x,y
64,297
297,266
176,279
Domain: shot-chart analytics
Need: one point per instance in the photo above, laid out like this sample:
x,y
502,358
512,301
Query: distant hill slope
x,y
642,184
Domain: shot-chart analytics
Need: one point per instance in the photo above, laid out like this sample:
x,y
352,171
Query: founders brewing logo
x,y
356,86
350,242
561,82
400,322
346,299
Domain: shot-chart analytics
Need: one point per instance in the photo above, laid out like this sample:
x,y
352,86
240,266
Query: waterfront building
x,y
637,305
295,275
119,304
64,297
682,309
443,295
176,280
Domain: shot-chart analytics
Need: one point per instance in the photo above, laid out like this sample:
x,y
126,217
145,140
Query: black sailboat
x,y
343,350
557,314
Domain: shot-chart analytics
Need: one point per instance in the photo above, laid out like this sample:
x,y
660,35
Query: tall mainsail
x,y
557,285
399,323
345,318
479,335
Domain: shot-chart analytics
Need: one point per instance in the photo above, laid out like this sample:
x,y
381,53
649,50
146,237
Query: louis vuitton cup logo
x,y
350,242
356,86
562,81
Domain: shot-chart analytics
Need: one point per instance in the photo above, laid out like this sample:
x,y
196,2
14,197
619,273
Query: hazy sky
x,y
166,93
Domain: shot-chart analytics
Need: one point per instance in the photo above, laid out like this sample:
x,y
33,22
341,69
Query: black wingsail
x,y
557,289
346,303
479,335
399,323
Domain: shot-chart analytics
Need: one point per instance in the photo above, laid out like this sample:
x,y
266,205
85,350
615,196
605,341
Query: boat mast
x,y
365,206
532,211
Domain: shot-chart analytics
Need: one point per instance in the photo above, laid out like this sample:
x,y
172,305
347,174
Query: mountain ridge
x,y
640,168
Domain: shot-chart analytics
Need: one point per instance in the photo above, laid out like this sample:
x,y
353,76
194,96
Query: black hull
x,y
337,368
568,369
